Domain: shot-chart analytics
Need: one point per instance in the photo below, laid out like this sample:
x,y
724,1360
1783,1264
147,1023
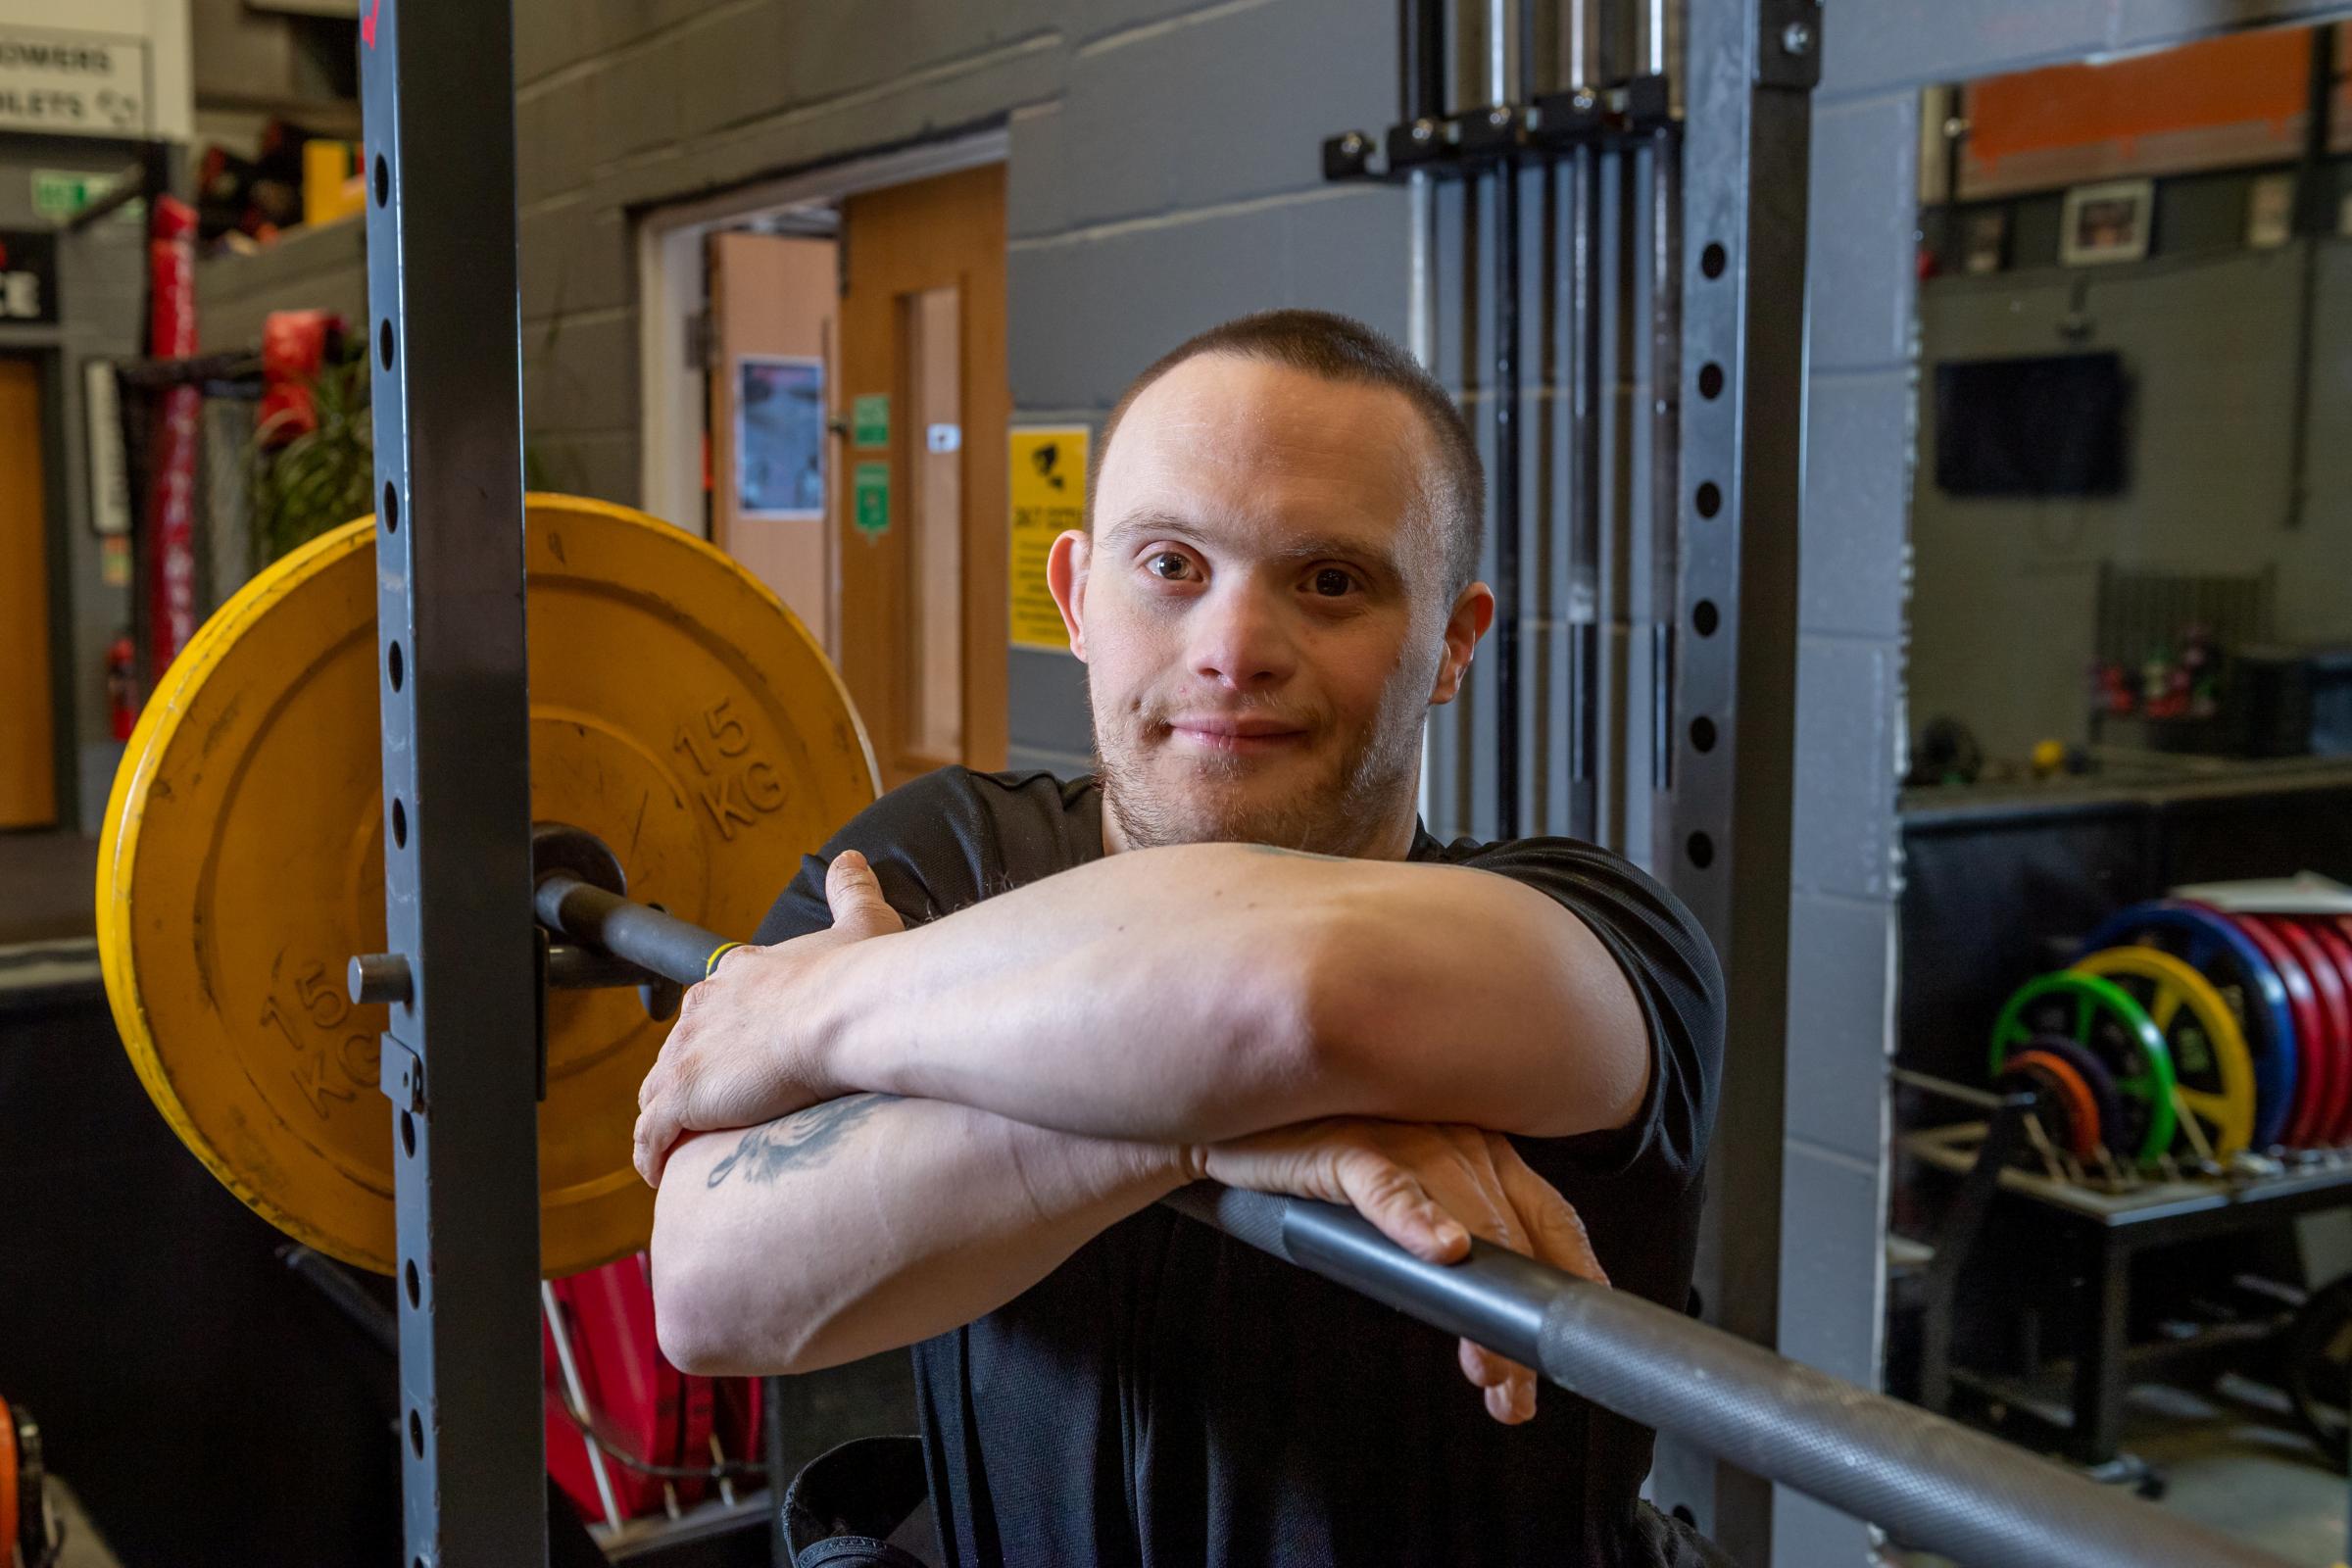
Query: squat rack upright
x,y
463,1080
437,99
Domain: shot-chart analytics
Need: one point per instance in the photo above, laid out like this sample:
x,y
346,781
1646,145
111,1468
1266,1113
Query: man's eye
x,y
1168,565
1331,582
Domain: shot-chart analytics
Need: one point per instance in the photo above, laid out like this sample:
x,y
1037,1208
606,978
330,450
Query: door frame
x,y
47,358
672,290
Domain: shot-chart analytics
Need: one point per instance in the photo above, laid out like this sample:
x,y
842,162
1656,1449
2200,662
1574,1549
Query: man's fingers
x,y
655,1134
855,897
1556,1230
1513,1404
1394,1200
738,951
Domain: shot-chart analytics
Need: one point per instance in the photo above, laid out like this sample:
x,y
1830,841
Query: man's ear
x,y
1067,566
1473,613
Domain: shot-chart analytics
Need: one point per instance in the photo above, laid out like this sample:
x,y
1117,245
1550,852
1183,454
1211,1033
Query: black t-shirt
x,y
1171,1397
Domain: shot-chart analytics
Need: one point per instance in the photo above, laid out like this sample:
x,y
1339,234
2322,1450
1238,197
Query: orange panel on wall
x,y
2223,102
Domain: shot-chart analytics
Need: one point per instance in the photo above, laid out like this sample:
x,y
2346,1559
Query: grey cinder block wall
x,y
1164,174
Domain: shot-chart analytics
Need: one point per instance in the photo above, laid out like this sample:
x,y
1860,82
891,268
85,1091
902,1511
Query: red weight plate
x,y
2322,1086
2335,1004
736,1421
2337,948
7,1483
633,1393
697,1405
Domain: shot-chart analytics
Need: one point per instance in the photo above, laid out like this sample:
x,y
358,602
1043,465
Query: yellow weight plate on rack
x,y
678,712
2214,1069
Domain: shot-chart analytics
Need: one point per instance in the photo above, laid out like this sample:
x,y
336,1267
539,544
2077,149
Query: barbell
x,y
689,743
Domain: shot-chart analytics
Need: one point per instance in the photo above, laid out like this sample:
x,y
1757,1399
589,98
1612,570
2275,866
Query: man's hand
x,y
738,1055
1429,1189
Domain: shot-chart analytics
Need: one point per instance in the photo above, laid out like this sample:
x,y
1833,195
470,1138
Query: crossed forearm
x,y
1209,992
869,1223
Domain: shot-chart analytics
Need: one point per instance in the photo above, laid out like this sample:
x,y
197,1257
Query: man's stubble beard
x,y
1343,813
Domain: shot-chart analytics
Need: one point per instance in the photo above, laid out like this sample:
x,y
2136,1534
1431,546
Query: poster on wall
x,y
73,83
779,438
1049,497
2107,223
1986,245
28,276
2270,211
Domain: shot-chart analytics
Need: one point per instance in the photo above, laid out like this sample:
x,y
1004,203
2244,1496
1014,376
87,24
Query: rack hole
x,y
1710,380
391,507
1702,734
383,343
1701,850
416,1286
1710,499
1712,261
417,1434
1703,616
383,180
400,825
408,1134
392,664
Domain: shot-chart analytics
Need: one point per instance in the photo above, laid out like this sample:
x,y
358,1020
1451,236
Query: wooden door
x,y
773,401
27,718
921,536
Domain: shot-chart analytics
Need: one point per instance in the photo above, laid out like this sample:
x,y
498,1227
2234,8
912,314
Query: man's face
x,y
1263,611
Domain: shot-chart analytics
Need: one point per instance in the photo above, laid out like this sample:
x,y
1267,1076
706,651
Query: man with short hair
x,y
1002,1014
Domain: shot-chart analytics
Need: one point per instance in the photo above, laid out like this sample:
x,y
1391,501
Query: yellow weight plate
x,y
2215,1070
678,712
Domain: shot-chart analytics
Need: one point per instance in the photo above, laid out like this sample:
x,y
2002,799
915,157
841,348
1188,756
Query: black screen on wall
x,y
2042,427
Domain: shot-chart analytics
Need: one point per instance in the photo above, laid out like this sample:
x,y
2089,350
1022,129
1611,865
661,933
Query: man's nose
x,y
1242,639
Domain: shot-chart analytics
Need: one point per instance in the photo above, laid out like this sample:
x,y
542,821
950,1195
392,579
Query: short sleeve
x,y
924,841
1674,977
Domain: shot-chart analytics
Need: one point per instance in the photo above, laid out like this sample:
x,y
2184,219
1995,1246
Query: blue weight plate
x,y
2217,949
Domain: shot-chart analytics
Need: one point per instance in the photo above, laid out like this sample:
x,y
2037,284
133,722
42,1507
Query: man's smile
x,y
1235,735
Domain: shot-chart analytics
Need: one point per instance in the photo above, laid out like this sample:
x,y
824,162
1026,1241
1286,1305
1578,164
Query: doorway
x,y
826,399
28,712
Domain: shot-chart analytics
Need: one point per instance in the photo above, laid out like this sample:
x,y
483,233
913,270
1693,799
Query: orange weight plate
x,y
678,712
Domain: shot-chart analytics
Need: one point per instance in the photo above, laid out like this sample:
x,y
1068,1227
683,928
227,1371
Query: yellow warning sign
x,y
1049,497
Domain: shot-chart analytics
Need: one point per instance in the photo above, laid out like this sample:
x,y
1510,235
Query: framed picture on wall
x,y
2271,211
1984,241
2107,223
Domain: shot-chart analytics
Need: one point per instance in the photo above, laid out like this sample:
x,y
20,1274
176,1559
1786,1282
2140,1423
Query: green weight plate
x,y
2101,1017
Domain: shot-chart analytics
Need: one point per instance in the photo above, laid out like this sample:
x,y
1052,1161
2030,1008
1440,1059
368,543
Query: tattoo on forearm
x,y
797,1141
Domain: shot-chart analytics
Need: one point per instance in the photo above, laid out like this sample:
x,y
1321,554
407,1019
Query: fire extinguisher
x,y
122,685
